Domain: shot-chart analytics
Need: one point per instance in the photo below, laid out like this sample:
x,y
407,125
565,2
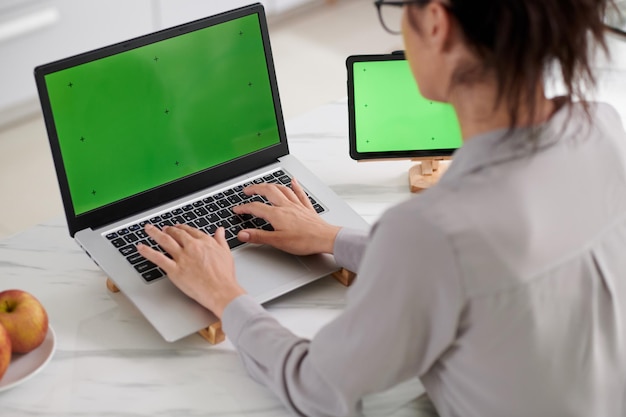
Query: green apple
x,y
24,318
5,350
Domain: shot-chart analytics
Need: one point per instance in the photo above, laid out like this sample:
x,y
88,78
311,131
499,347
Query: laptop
x,y
169,128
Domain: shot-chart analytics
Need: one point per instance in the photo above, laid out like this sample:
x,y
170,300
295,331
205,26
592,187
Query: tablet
x,y
389,118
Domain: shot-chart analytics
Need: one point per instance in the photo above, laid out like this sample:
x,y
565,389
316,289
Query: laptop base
x,y
214,333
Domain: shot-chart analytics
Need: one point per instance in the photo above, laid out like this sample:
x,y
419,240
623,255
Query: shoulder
x,y
422,219
605,111
603,116
609,116
599,129
410,244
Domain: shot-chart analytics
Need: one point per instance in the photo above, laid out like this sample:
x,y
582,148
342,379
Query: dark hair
x,y
519,40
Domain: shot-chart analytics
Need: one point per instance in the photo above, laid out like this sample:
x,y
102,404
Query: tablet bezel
x,y
354,153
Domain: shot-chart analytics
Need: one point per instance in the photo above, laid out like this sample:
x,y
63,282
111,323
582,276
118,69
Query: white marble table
x,y
110,362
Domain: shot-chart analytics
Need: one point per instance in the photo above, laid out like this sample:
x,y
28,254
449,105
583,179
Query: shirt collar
x,y
500,146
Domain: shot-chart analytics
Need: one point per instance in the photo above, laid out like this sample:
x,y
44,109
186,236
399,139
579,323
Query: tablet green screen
x,y
392,116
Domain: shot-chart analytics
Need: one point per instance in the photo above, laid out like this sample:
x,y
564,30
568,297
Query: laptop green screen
x,y
392,118
136,120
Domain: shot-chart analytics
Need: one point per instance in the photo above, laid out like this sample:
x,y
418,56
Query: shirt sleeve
x,y
401,314
349,248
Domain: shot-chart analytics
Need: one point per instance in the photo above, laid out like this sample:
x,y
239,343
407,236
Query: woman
x,y
504,286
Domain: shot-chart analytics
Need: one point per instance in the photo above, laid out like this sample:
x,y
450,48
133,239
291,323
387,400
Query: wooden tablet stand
x,y
426,173
214,333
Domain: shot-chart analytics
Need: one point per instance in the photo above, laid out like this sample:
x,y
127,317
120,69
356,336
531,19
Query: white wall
x,y
35,32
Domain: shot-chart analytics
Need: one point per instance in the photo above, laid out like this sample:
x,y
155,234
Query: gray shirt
x,y
503,288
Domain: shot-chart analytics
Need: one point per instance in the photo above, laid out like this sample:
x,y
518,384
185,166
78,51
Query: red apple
x,y
5,350
24,318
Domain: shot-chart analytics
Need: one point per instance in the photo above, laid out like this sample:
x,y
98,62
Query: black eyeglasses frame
x,y
396,3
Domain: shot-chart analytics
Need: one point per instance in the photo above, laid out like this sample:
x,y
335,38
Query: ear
x,y
434,24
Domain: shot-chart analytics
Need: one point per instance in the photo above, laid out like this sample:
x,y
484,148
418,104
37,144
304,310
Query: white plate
x,y
24,366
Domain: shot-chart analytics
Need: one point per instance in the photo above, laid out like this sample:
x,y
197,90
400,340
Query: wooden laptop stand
x,y
426,173
214,333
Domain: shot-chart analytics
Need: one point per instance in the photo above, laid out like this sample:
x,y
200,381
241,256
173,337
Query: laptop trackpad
x,y
266,272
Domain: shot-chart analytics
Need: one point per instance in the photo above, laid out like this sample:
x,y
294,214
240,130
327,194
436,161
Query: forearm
x,y
280,360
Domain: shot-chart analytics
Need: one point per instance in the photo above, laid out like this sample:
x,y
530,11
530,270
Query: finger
x,y
156,257
270,191
180,235
220,237
198,234
256,209
257,236
300,193
254,189
288,192
164,240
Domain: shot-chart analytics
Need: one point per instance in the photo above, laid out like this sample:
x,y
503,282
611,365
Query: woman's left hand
x,y
200,265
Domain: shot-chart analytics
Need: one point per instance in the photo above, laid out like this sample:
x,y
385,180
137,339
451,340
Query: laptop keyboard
x,y
206,214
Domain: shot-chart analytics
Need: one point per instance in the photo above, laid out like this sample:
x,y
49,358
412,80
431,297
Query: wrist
x,y
224,298
328,239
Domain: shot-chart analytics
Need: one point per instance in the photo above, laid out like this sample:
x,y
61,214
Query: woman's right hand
x,y
298,229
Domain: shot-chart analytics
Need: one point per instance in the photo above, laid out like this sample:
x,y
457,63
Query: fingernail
x,y
149,226
243,236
